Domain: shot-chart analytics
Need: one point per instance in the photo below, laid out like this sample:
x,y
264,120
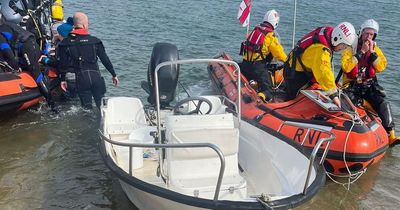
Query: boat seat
x,y
123,115
194,171
138,135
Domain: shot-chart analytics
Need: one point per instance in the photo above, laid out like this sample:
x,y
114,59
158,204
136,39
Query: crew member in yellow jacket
x,y
360,65
260,48
313,55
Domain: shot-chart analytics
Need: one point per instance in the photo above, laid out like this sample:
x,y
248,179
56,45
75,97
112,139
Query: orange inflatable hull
x,y
358,143
18,91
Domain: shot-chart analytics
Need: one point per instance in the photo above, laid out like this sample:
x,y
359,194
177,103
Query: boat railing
x,y
317,146
188,61
183,145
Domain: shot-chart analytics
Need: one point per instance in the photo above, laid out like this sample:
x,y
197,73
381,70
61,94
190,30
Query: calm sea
x,y
52,161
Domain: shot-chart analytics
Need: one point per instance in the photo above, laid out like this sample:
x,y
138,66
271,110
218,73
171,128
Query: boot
x,y
393,139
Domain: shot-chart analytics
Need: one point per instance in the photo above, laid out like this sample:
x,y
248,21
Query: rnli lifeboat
x,y
360,140
19,91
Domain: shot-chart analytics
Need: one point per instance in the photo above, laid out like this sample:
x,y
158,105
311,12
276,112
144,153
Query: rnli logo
x,y
345,30
301,136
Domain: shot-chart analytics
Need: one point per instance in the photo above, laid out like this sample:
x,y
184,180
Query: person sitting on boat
x,y
310,60
23,43
360,65
82,51
260,48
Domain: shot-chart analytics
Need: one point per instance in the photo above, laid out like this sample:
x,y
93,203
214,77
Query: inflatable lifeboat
x,y
19,91
360,140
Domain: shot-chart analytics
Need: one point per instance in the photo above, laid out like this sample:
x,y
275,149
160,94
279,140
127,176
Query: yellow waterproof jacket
x,y
272,45
349,61
317,59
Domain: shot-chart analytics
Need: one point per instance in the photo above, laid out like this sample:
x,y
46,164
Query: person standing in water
x,y
81,51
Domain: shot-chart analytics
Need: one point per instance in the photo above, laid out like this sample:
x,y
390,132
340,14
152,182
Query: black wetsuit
x,y
24,45
82,52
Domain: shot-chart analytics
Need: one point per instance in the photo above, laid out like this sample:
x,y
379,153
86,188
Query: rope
x,y
352,177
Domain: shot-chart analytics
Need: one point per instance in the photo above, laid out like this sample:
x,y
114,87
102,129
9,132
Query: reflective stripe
x,y
258,38
322,31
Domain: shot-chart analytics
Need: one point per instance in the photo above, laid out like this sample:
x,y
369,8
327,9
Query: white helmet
x,y
343,33
370,23
272,17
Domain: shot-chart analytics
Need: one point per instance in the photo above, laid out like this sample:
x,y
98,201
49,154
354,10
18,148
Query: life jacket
x,y
255,40
319,35
363,70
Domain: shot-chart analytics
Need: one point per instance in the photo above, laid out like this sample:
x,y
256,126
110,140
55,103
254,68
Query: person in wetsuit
x,y
15,39
81,51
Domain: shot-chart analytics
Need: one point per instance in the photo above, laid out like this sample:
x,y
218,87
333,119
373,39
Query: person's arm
x,y
348,60
275,47
49,61
105,60
322,71
378,60
63,64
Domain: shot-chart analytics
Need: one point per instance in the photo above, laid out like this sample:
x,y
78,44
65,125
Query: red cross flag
x,y
244,12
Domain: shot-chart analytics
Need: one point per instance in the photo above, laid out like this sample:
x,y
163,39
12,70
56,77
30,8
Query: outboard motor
x,y
8,13
167,75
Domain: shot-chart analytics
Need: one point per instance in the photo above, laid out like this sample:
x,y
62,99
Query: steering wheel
x,y
197,101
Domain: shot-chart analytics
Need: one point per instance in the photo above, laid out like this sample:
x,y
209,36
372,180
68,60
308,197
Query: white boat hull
x,y
148,201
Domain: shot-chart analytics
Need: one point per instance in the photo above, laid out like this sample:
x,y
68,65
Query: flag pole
x,y
244,14
248,24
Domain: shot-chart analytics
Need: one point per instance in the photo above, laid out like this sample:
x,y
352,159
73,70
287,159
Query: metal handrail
x,y
316,147
183,145
167,63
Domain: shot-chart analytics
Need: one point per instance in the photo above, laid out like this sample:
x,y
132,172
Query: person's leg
x,y
98,89
247,70
384,111
83,84
294,82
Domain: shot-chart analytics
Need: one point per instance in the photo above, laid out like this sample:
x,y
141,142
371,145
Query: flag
x,y
244,12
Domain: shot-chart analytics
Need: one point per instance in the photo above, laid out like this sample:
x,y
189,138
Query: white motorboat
x,y
199,153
